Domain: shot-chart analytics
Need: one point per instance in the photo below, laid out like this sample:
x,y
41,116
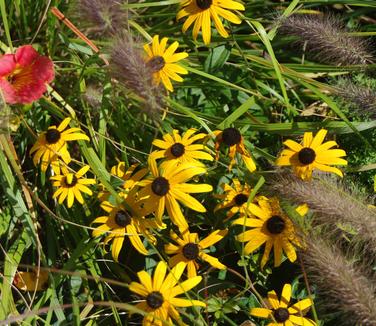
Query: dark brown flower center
x,y
231,136
190,251
72,183
281,315
52,136
123,218
160,186
177,149
154,299
240,199
275,224
204,4
306,155
156,63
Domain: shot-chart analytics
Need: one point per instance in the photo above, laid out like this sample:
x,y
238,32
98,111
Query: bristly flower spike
x,y
326,39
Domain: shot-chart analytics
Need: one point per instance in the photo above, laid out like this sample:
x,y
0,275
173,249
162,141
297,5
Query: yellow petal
x,y
319,138
212,238
159,275
261,312
286,296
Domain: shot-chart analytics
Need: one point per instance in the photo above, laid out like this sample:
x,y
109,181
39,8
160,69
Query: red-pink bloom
x,y
24,75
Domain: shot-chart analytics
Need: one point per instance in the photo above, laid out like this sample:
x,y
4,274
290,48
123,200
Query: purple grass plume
x,y
362,98
326,39
342,286
100,17
331,203
129,68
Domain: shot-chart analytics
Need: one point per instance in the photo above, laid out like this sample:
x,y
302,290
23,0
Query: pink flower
x,y
24,75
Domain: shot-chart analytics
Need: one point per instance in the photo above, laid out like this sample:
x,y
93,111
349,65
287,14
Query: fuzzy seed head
x,y
363,98
128,66
326,39
100,17
342,286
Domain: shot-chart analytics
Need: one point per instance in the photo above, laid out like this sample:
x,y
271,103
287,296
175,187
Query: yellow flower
x,y
189,249
167,186
31,281
162,62
71,185
159,294
282,312
232,138
271,227
129,177
52,145
121,222
178,149
312,154
200,12
234,198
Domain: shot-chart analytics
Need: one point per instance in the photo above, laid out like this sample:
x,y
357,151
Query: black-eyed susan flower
x,y
189,249
167,186
176,148
159,294
281,313
129,178
201,12
234,198
312,154
51,146
163,62
271,227
70,185
31,281
233,139
121,222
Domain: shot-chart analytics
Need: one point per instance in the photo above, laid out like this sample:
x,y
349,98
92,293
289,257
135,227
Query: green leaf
x,y
217,58
237,113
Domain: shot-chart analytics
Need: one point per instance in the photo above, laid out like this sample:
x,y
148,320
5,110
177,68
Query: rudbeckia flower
x,y
178,149
232,138
189,249
201,12
168,185
270,226
129,178
312,154
234,198
24,75
71,185
52,145
282,312
31,281
163,62
120,222
159,294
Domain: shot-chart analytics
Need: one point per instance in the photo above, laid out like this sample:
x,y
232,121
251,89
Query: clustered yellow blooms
x,y
171,181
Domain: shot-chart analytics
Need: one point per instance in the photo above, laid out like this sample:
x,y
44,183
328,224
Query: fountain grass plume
x,y
362,98
128,66
342,286
331,202
326,39
100,17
